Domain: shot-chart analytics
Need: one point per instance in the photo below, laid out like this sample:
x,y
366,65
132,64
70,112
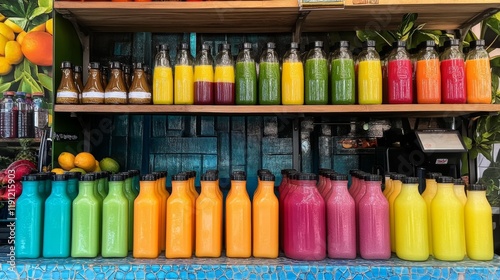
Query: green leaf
x,y
27,67
6,78
22,22
46,4
5,86
37,11
18,72
32,82
473,153
495,85
495,61
467,142
493,23
486,152
15,7
45,81
38,20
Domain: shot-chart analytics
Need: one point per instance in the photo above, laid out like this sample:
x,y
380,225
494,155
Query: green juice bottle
x,y
316,76
246,77
115,219
269,77
342,76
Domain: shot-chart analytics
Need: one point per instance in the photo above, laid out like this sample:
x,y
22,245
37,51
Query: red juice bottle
x,y
283,189
224,77
453,87
204,77
399,71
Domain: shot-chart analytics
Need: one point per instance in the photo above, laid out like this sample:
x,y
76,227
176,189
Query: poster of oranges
x,y
26,45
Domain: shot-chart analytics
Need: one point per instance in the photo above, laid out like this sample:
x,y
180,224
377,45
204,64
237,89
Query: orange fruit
x,y
37,47
13,53
66,160
85,161
20,37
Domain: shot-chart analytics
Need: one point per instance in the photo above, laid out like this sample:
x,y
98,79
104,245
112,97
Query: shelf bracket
x,y
298,25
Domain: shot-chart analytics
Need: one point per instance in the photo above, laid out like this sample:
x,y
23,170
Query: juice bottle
x,y
224,77
305,221
180,216
396,189
101,184
269,77
29,219
93,91
342,76
86,220
283,189
115,220
265,215
147,212
477,73
399,70
139,90
321,179
162,198
341,220
204,77
163,87
208,218
130,196
78,78
73,184
246,77
478,224
238,218
67,92
361,189
453,73
327,185
428,195
410,218
316,76
459,190
354,182
259,185
116,90
428,77
184,77
447,218
374,230
369,75
292,77
388,185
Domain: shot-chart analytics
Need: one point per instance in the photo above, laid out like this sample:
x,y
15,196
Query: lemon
x,y
76,169
49,26
20,37
16,28
2,17
97,167
66,160
85,161
3,42
13,53
7,31
109,164
57,170
5,66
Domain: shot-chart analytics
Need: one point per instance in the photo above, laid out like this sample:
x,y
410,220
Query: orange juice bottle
x,y
396,189
180,216
428,77
146,221
459,190
192,180
163,196
265,212
428,196
238,218
184,77
208,218
477,74
163,87
292,77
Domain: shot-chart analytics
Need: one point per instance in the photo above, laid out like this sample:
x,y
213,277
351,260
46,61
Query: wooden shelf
x,y
266,16
434,110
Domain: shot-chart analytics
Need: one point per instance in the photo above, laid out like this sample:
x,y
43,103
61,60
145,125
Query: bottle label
x,y
93,94
67,94
115,94
139,94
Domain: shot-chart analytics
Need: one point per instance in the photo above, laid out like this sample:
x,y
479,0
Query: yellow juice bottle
x,y
163,87
292,77
459,190
388,186
146,220
428,196
369,75
396,189
265,213
478,224
184,77
238,218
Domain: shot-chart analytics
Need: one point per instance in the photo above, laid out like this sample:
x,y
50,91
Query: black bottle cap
x,y
433,175
271,45
477,43
360,174
139,65
287,171
458,181
369,43
261,171
452,42
398,177
66,64
115,65
477,187
445,180
183,176
307,176
338,177
126,69
214,171
318,44
156,174
134,172
163,47
95,65
238,176
87,177
209,176
77,69
294,45
399,44
267,177
372,177
163,174
45,176
353,171
30,177
115,177
410,180
73,175
293,176
105,174
429,44
191,174
125,175
148,177
226,46
59,177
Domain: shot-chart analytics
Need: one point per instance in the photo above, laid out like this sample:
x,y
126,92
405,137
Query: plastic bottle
x,y
184,77
146,222
399,69
478,224
305,221
342,76
8,116
86,220
246,77
78,79
428,77
29,219
162,196
477,72
316,76
396,189
328,184
139,90
447,218
40,114
130,196
428,195
459,190
67,92
453,88
101,184
374,229
354,182
115,220
163,88
388,185
208,218
224,77
340,220
265,219
292,77
283,189
72,189
204,77
25,127
116,90
410,218
269,76
180,216
369,75
238,218
93,91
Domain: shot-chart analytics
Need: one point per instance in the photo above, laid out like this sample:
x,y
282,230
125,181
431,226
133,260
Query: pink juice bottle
x,y
327,185
321,179
354,181
399,69
305,223
291,181
340,220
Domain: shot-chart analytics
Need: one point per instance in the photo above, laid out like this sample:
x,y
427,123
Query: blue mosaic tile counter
x,y
226,268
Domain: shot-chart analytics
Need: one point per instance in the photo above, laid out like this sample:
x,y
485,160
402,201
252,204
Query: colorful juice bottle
x,y
292,77
327,185
477,73
265,215
410,218
459,190
260,172
180,217
97,193
57,220
246,77
316,76
101,184
129,194
147,212
428,195
354,182
453,88
361,189
238,218
224,77
283,189
115,220
321,179
305,221
184,77
369,75
374,229
163,86
86,220
447,218
29,219
162,196
204,77
73,184
342,76
478,224
396,189
428,77
269,77
388,185
208,218
341,220
194,195
399,70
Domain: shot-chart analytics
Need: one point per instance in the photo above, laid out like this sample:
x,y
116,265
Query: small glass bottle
x,y
477,73
183,76
25,127
127,77
78,78
269,77
292,77
316,76
342,76
116,91
93,92
163,88
104,75
369,75
67,92
8,116
246,77
224,77
139,91
453,89
40,114
428,78
204,77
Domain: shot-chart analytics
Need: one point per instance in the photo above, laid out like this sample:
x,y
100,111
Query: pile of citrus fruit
x,y
84,162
